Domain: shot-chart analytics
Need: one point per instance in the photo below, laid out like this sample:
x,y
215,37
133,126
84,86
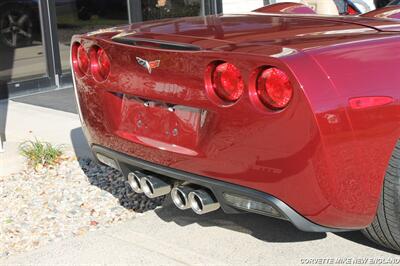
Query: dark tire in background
x,y
385,228
16,26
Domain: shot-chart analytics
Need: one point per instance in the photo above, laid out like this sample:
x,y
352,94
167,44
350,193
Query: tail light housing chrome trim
x,y
73,63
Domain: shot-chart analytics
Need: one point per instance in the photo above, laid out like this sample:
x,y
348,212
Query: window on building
x,y
81,16
22,53
159,9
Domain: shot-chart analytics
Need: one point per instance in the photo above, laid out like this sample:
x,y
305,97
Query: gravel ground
x,y
37,208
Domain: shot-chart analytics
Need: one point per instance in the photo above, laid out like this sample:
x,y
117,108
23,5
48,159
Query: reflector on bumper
x,y
251,205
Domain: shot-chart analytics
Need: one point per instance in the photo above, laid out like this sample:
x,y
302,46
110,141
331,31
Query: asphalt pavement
x,y
168,236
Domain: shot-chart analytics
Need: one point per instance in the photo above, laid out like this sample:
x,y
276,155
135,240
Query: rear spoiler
x,y
152,43
286,8
388,12
386,19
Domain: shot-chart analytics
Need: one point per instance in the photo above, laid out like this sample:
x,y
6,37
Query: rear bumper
x,y
127,164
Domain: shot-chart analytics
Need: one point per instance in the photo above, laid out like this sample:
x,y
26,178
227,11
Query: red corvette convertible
x,y
279,112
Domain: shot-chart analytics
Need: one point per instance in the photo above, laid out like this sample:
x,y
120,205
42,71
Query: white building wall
x,y
364,5
238,6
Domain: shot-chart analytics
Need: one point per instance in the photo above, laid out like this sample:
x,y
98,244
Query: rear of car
x,y
240,112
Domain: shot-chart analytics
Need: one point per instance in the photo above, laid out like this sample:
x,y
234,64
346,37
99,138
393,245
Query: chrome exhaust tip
x,y
134,181
180,197
202,202
154,187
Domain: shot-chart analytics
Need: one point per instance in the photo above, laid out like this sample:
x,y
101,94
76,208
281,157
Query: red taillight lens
x,y
80,59
274,88
99,63
227,82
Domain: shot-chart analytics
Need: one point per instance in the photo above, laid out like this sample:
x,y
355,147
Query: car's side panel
x,y
358,152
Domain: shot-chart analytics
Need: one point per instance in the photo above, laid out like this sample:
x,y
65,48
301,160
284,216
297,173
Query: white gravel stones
x,y
68,200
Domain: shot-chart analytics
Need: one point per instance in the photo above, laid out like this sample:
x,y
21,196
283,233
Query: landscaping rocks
x,y
37,208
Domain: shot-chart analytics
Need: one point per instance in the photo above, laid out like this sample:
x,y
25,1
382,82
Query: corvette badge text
x,y
149,65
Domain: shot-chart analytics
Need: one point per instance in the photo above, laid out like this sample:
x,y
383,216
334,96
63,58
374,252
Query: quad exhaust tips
x,y
201,201
154,187
134,181
180,197
151,186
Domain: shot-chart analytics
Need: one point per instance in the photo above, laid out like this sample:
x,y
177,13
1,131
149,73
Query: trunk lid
x,y
228,32
158,70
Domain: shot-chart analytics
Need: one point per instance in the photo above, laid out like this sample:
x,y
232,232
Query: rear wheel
x,y
385,229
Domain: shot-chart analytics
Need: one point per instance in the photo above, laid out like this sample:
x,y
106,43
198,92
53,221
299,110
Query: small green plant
x,y
41,154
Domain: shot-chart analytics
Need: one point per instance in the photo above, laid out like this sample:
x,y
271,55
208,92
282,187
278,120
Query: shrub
x,y
41,153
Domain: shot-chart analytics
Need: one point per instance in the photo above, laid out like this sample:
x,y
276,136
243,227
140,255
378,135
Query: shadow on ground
x,y
359,238
260,227
109,179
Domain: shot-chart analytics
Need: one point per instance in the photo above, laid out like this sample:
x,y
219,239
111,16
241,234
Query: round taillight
x,y
274,88
99,63
227,82
80,59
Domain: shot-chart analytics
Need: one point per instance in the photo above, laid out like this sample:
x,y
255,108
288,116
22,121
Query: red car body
x,y
324,155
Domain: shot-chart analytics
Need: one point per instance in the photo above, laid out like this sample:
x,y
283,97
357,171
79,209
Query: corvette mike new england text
x,y
350,261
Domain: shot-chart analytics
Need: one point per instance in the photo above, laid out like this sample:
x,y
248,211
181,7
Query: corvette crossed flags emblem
x,y
149,65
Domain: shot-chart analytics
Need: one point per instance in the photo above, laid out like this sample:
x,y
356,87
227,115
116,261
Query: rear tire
x,y
385,228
